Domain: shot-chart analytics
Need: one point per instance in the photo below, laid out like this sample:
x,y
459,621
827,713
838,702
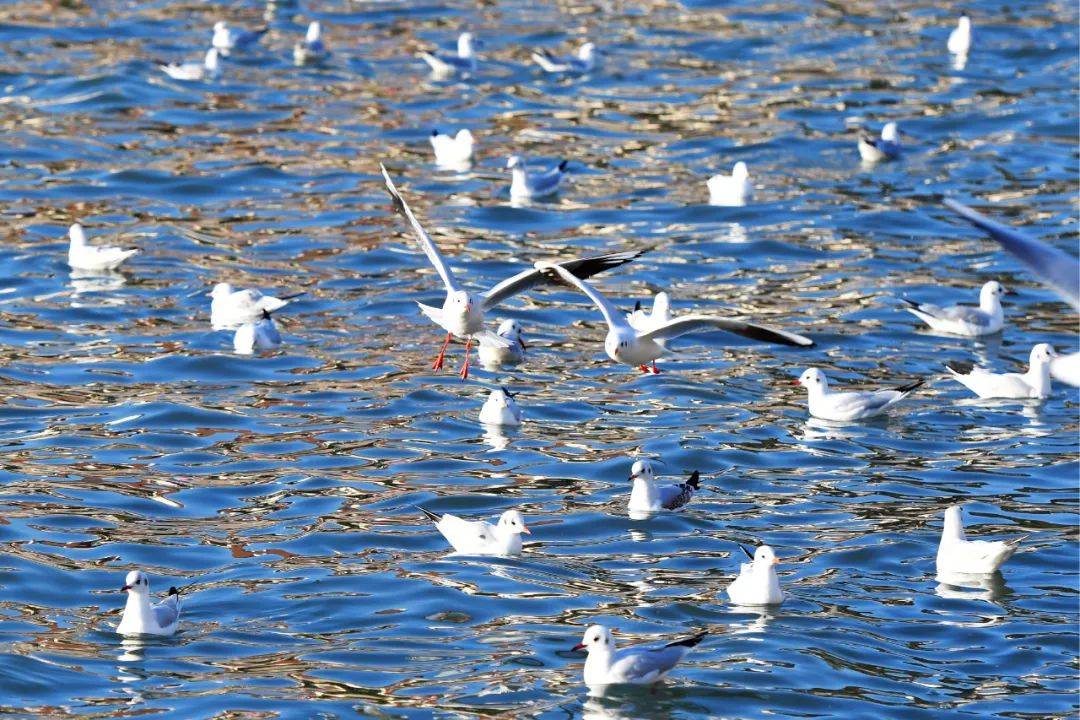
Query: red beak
x,y
125,588
522,343
579,646
796,382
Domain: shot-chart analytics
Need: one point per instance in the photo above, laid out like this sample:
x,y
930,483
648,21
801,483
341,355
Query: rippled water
x,y
282,489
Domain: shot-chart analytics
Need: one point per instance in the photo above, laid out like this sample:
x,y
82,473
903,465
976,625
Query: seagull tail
x,y
562,165
431,516
695,480
688,642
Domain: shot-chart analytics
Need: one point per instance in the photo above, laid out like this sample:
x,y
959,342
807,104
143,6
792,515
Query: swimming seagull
x,y
1035,383
960,37
495,356
957,554
464,61
628,346
638,665
886,148
757,583
964,320
648,497
142,618
94,259
311,49
208,69
462,313
582,62
525,185
452,151
261,334
843,406
732,190
230,308
478,537
500,409
227,39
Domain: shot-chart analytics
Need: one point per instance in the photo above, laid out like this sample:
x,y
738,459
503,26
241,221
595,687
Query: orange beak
x,y
525,530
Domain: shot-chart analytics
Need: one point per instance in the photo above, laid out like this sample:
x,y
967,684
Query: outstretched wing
x,y
695,323
614,317
426,243
581,268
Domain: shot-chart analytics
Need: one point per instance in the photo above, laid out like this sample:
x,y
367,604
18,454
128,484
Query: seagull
x,y
208,69
142,618
584,61
631,347
636,665
964,320
464,61
960,37
500,409
1035,383
477,537
844,406
462,313
452,151
757,583
261,334
525,185
1066,369
311,49
94,259
887,148
227,39
495,356
648,497
230,308
957,554
732,190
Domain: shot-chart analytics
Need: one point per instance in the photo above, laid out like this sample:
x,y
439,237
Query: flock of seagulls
x,y
636,339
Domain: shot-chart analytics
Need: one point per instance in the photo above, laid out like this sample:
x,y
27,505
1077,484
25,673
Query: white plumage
x,y
142,618
958,555
1034,384
478,537
757,583
638,665
965,320
82,256
844,406
732,190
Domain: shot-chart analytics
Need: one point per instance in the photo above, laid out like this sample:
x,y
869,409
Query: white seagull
x,y
525,185
638,665
465,60
462,313
964,320
885,148
227,39
208,69
478,537
1035,383
732,190
230,308
958,555
261,334
142,618
960,37
580,63
453,151
93,259
495,356
500,409
648,497
1066,369
843,406
757,583
628,346
311,49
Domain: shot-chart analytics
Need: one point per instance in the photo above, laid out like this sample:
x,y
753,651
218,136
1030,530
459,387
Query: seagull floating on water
x,y
261,334
526,185
958,555
964,320
478,537
732,190
208,69
462,313
230,308
495,356
580,63
82,256
648,497
843,406
500,409
453,151
757,583
885,148
227,39
637,665
628,346
960,37
444,65
1034,384
311,49
142,618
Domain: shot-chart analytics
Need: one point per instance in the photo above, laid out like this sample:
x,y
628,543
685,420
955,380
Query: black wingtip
x,y
431,516
265,314
562,165
293,296
695,480
688,642
909,303
506,392
746,552
173,591
910,386
960,367
435,132
869,140
637,306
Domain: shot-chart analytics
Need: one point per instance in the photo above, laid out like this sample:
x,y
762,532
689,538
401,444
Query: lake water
x,y
282,489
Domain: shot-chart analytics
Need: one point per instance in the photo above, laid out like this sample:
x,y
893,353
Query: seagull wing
x,y
694,323
581,268
426,243
614,317
167,611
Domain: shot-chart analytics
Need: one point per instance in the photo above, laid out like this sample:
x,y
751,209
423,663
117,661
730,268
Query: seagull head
x,y
597,638
137,583
586,52
465,43
813,380
991,294
77,235
641,470
510,330
890,132
954,521
514,162
221,290
964,23
464,136
314,32
501,398
462,301
661,305
765,556
512,522
1042,354
740,171
220,26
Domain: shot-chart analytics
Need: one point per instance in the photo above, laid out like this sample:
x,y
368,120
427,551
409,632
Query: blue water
x,y
281,489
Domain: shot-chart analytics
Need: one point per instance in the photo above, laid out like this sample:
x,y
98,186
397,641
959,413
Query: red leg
x,y
465,367
655,370
643,368
441,360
